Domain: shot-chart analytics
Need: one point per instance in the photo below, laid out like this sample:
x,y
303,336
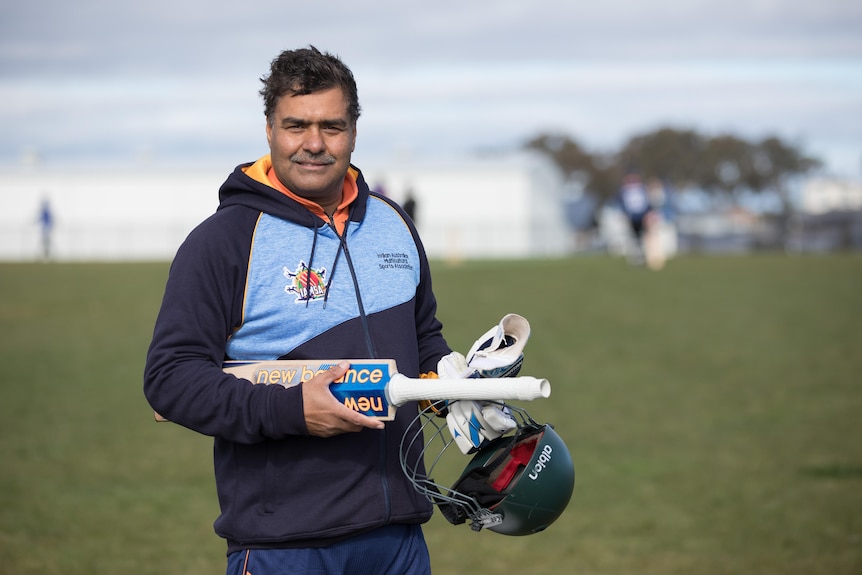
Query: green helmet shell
x,y
538,491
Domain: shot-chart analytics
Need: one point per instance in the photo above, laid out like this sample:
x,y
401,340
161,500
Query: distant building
x,y
509,206
500,207
829,218
819,196
104,214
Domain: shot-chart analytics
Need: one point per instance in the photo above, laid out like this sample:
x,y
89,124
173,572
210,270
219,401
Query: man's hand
x,y
325,416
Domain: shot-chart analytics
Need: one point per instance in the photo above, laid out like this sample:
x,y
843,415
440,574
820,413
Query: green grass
x,y
713,410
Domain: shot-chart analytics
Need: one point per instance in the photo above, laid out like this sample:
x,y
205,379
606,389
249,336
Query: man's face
x,y
310,140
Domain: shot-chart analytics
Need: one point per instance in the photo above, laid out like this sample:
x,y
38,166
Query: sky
x,y
100,82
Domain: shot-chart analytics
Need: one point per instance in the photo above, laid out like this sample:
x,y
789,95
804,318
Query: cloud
x,y
100,78
179,37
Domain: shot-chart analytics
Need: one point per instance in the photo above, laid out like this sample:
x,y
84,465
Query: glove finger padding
x,y
452,366
472,423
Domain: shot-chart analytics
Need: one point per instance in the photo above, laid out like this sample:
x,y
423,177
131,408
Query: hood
x,y
242,189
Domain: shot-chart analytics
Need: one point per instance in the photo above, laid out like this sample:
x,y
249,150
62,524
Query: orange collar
x,y
263,172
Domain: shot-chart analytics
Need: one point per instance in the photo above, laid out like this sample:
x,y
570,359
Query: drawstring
x,y
332,274
341,247
308,267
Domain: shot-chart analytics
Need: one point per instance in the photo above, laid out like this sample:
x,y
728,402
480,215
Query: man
x,y
46,223
289,268
410,205
635,204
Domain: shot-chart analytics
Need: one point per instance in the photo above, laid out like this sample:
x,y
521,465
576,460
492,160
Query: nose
x,y
313,142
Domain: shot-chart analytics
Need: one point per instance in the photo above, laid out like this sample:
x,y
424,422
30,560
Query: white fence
x,y
103,215
493,209
116,242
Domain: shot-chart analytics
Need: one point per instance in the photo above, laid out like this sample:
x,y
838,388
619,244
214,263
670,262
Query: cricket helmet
x,y
517,484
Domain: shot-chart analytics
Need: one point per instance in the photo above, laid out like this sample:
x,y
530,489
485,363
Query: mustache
x,y
302,158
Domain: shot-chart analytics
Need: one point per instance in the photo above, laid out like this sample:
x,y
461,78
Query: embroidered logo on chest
x,y
307,283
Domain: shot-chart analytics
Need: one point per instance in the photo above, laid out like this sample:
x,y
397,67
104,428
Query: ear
x,y
353,147
269,134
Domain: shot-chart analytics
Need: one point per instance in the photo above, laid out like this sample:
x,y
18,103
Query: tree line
x,y
723,165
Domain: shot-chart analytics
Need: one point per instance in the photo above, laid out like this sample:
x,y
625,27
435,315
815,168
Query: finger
x,y
351,416
360,420
334,372
345,419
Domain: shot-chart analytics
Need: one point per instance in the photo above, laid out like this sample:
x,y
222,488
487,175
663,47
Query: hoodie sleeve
x,y
202,304
431,343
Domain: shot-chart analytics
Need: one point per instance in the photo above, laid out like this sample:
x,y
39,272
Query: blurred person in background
x,y
410,205
655,223
46,227
634,201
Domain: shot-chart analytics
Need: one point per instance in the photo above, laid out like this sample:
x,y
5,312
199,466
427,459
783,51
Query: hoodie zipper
x,y
372,354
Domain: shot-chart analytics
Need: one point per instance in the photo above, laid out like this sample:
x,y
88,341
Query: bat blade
x,y
362,388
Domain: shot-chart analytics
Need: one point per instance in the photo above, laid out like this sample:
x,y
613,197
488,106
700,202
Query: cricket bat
x,y
374,387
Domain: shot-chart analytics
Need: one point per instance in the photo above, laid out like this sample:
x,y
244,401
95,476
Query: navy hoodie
x,y
264,278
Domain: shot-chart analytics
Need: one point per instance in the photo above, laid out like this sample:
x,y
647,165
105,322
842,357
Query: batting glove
x,y
498,353
472,423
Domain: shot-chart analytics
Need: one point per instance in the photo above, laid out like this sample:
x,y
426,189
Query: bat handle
x,y
402,389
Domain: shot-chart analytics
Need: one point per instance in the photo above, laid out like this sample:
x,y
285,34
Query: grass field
x,y
713,410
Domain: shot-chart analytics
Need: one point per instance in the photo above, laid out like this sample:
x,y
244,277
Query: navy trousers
x,y
390,550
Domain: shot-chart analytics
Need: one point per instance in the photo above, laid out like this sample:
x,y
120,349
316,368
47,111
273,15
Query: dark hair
x,y
306,71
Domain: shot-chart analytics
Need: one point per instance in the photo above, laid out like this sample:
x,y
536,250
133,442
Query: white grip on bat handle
x,y
402,389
